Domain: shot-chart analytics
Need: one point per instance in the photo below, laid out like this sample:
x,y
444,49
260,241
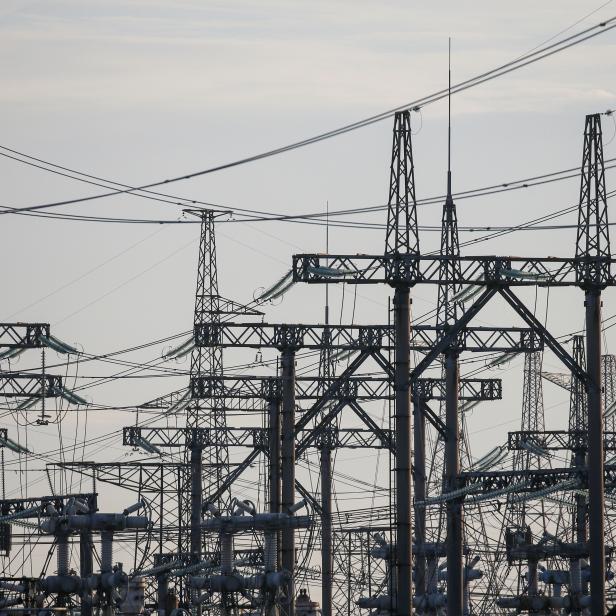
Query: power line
x,y
309,218
525,60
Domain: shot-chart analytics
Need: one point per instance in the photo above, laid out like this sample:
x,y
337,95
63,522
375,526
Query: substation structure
x,y
517,530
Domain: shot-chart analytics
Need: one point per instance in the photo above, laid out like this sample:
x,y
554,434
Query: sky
x,y
139,91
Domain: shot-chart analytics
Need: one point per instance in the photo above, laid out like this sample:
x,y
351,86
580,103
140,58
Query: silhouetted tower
x,y
532,410
207,361
593,239
578,402
578,425
608,378
402,239
530,513
592,252
208,465
402,235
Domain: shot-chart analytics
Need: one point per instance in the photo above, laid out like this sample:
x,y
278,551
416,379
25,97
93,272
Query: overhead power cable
x,y
307,218
499,71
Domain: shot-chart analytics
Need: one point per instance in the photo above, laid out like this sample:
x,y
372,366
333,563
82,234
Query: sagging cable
x,y
535,449
26,513
147,446
278,288
186,347
496,493
70,396
559,487
492,458
57,345
24,405
11,353
447,496
467,293
180,404
13,446
502,359
329,272
515,273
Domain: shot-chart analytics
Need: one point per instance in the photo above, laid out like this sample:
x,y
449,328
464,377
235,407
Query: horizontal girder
x,y
574,440
416,269
256,438
23,335
361,337
27,385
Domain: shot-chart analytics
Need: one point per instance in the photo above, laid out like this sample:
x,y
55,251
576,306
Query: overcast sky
x,y
138,91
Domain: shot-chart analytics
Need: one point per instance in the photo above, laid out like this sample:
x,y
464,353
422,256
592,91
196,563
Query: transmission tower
x,y
208,465
525,516
608,378
402,235
207,361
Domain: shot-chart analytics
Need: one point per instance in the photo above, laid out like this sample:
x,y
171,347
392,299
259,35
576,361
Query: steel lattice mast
x,y
208,465
402,238
524,515
592,274
608,365
208,360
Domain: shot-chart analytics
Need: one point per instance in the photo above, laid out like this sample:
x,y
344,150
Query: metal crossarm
x,y
16,505
145,477
354,388
471,390
480,270
361,337
27,385
23,335
257,438
307,388
574,440
528,480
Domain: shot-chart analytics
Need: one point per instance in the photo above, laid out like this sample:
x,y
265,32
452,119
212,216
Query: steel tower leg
x,y
595,453
274,464
404,481
455,564
86,569
326,529
288,472
419,487
196,504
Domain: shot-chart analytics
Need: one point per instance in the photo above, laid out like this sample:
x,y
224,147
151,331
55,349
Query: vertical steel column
x,y
533,583
86,568
326,525
162,593
581,534
196,505
595,453
455,568
404,480
274,465
287,552
419,490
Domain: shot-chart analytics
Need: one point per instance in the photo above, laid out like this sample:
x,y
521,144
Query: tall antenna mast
x,y
449,126
327,252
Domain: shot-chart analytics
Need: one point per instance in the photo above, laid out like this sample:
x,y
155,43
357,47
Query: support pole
x,y
274,466
86,568
196,504
419,487
596,509
326,526
455,564
404,481
287,553
162,593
